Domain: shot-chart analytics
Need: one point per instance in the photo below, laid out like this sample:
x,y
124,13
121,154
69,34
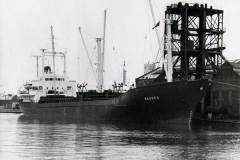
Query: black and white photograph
x,y
119,80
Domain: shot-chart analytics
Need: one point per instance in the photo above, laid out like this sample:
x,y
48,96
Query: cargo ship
x,y
175,91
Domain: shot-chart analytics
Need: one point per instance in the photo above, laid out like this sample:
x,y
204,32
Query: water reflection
x,y
31,139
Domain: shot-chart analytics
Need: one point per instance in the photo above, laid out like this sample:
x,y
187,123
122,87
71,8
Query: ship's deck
x,y
81,96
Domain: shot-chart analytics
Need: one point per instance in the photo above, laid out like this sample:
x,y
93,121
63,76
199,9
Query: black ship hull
x,y
163,101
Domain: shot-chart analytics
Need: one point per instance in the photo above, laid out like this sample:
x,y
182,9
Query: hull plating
x,y
165,101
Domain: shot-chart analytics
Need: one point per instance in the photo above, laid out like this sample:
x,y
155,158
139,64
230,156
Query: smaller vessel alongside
x,y
9,104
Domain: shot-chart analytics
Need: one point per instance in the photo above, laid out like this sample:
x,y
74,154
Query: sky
x,y
25,29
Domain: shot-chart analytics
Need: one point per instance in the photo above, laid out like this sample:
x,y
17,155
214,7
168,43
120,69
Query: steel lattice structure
x,y
197,40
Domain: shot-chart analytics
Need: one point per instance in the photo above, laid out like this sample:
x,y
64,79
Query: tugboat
x,y
170,92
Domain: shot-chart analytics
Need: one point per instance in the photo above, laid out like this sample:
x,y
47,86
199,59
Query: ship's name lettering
x,y
153,98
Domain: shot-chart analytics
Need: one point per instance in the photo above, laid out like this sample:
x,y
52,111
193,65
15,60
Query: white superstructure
x,y
49,83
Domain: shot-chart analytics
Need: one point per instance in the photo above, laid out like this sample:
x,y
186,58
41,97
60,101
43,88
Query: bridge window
x,y
35,88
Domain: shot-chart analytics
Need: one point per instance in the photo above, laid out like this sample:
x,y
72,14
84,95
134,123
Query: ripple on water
x,y
33,140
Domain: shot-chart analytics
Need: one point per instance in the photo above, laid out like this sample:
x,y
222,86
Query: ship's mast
x,y
53,53
43,56
101,53
65,66
104,33
37,58
99,65
104,42
124,73
53,50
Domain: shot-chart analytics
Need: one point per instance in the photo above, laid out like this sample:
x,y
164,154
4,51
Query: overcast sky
x,y
25,28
